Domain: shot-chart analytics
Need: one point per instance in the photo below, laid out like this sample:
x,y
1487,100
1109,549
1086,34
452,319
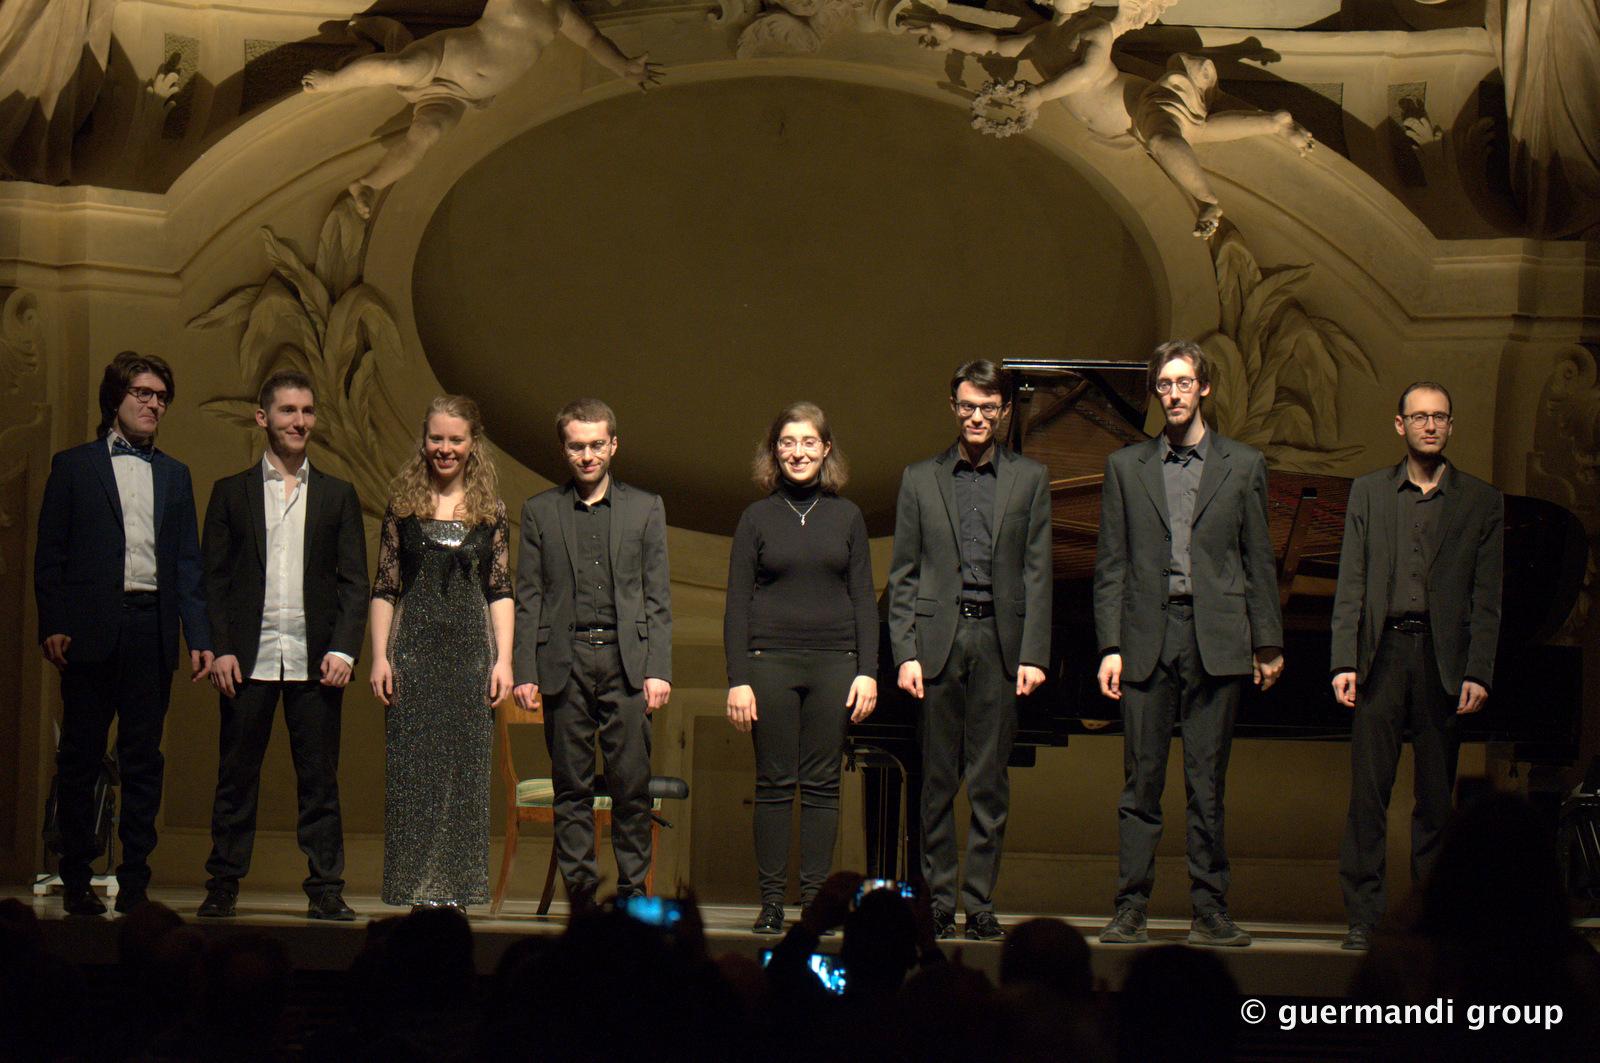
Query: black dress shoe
x,y
983,926
1359,939
219,904
944,924
770,921
329,905
1127,927
129,898
82,900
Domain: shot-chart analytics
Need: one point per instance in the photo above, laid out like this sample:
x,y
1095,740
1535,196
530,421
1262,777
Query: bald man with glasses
x,y
1416,620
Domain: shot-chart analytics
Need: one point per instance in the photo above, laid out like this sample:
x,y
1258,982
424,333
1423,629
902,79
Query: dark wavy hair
x,y
983,375
764,470
118,377
1189,351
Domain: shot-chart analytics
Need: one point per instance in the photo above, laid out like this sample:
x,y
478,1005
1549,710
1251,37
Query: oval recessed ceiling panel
x,y
702,255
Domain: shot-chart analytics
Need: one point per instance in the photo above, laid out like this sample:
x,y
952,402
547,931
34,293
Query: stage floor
x,y
1286,960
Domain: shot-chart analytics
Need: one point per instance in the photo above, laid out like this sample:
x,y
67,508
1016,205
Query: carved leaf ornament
x,y
1276,369
323,321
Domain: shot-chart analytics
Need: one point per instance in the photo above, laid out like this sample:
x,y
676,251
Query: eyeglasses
x,y
598,447
1423,420
145,396
808,445
1184,384
990,410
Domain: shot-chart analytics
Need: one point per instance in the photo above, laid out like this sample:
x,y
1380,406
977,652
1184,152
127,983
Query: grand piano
x,y
1070,415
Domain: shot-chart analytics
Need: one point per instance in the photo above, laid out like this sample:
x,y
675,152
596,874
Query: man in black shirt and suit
x,y
594,635
1185,606
286,585
969,623
116,571
1416,620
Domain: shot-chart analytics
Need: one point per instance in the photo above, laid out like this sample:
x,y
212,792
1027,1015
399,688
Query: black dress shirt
x,y
593,599
1415,527
1181,469
975,488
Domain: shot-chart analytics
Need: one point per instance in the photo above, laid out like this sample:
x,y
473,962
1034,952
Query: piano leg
x,y
892,791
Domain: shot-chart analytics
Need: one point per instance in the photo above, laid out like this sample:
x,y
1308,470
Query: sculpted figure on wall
x,y
1547,51
52,59
444,73
1072,50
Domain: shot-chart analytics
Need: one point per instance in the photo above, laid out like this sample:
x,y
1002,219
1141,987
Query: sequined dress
x,y
441,576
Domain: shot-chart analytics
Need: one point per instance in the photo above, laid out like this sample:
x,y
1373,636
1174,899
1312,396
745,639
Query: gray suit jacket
x,y
1231,561
1465,563
925,569
547,575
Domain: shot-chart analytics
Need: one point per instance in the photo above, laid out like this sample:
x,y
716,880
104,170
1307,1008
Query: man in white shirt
x,y
116,573
286,589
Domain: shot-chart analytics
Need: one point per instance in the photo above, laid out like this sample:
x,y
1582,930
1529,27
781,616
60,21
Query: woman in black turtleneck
x,y
801,633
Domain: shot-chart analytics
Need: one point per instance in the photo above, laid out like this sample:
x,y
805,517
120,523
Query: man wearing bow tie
x,y
116,573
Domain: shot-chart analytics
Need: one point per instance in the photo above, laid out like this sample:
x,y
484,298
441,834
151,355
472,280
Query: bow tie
x,y
122,446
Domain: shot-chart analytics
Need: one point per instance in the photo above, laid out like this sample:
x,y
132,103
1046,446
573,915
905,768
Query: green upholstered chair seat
x,y
541,793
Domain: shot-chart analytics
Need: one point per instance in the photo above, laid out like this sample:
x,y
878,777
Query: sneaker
x,y
944,924
1359,939
983,926
219,904
1215,928
770,921
1127,927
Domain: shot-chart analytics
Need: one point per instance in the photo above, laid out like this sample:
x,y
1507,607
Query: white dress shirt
x,y
136,490
282,653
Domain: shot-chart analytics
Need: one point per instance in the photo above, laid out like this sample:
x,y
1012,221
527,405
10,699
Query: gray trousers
x,y
598,701
1177,692
969,722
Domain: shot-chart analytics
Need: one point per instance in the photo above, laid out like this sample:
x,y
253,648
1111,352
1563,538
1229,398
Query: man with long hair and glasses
x,y
116,574
1185,607
1416,619
969,624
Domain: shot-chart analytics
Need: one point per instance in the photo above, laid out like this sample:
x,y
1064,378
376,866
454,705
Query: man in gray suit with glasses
x,y
1185,607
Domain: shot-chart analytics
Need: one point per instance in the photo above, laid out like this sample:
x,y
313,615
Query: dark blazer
x,y
1232,566
78,565
547,575
925,567
335,587
1464,569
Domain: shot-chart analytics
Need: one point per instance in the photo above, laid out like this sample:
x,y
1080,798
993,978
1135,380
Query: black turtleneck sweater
x,y
800,587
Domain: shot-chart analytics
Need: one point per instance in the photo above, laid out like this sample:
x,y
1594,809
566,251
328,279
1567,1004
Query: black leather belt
x,y
596,636
1411,625
1180,599
977,610
140,598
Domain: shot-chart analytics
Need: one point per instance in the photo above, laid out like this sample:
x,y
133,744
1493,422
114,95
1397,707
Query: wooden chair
x,y
533,801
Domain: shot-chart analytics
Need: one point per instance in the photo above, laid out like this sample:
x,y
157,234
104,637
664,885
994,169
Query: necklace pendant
x,y
802,521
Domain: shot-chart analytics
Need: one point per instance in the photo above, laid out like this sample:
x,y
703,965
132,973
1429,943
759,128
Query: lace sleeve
x,y
499,583
387,583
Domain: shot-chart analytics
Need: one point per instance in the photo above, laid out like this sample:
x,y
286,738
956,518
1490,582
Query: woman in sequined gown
x,y
441,626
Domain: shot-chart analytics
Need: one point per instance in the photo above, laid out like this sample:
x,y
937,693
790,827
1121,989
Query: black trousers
x,y
801,720
1178,692
1402,693
311,713
968,726
131,686
598,701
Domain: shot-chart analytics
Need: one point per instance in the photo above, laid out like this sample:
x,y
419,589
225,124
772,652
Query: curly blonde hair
x,y
411,493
